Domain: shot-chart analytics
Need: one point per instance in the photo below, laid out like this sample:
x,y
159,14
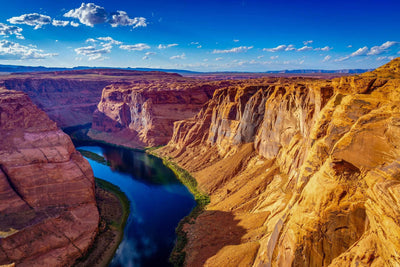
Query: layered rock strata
x,y
48,213
301,172
70,97
142,114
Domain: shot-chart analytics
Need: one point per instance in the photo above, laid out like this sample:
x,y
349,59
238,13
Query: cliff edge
x,y
48,213
301,172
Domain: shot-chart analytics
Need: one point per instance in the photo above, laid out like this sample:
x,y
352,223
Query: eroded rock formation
x,y
301,172
48,213
70,97
142,114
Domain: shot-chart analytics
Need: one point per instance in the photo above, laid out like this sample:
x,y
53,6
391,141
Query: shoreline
x,y
178,254
113,207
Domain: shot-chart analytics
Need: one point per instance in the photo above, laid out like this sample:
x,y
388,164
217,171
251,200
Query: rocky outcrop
x,y
48,213
70,97
142,114
301,172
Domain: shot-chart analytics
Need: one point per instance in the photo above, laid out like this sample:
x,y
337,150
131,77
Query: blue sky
x,y
245,35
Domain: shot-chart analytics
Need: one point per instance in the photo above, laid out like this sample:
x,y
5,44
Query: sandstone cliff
x,y
48,214
142,114
301,172
70,97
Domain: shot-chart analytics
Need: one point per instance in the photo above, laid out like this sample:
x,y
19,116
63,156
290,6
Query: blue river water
x,y
158,201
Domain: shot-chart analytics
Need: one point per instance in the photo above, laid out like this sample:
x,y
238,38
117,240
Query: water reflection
x,y
158,202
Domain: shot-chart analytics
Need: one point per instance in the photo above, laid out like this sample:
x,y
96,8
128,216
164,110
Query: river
x,y
158,202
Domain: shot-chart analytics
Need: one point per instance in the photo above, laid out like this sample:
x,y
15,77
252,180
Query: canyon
x,y
300,171
48,212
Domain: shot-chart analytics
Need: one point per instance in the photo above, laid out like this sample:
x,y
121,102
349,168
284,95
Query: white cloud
x,y
377,50
236,40
93,52
33,19
164,46
15,51
121,18
135,47
61,23
150,53
326,48
183,56
308,42
327,58
88,14
290,48
74,24
239,49
276,49
274,57
8,30
385,58
259,57
218,58
109,40
305,48
145,57
91,40
349,46
360,52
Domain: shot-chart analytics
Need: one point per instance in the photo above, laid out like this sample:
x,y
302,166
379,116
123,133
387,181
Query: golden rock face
x,y
313,163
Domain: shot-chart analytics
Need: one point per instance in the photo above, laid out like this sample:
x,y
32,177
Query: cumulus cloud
x,y
7,30
108,40
33,19
88,14
91,14
61,23
98,48
135,47
276,49
327,58
305,48
164,46
239,49
121,18
360,52
15,51
377,50
182,56
92,52
74,24
325,49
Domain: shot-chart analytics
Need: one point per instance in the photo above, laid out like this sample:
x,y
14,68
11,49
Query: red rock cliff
x,y
48,213
301,172
70,97
142,114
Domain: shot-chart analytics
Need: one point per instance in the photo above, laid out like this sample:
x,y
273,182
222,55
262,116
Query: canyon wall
x,y
70,97
48,213
142,114
301,172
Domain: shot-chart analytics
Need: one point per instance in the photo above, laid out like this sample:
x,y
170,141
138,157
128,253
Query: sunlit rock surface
x,y
301,172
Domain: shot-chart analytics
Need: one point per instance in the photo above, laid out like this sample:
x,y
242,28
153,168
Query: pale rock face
x,y
48,213
313,163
